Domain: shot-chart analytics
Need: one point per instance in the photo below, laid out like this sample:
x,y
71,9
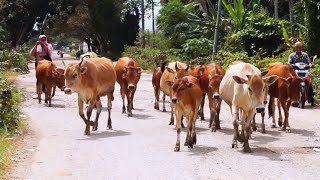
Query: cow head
x,y
292,85
256,88
198,71
178,87
132,75
58,76
73,74
214,84
178,71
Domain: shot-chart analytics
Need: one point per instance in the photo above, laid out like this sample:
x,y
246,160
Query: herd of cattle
x,y
242,86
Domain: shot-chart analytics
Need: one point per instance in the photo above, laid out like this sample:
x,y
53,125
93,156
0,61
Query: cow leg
x,y
212,112
39,91
190,131
123,94
182,125
218,107
194,135
263,126
48,93
156,97
247,126
129,99
271,108
53,91
172,111
235,117
110,99
200,112
254,125
178,128
286,125
280,103
132,96
163,103
92,103
81,113
99,107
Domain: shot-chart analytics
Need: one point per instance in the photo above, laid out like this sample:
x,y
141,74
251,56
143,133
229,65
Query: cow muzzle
x,y
62,88
295,104
216,96
131,87
174,100
67,91
260,110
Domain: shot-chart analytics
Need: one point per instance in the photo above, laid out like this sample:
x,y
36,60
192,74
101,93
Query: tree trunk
x,y
291,17
276,8
313,26
153,26
142,24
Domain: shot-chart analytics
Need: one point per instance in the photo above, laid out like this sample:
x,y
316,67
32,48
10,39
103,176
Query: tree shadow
x,y
303,132
140,116
200,150
56,105
262,139
226,131
104,134
265,152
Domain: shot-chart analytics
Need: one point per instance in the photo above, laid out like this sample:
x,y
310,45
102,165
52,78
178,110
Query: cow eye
x,y
74,76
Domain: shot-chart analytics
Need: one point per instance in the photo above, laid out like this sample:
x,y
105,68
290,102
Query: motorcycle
x,y
302,71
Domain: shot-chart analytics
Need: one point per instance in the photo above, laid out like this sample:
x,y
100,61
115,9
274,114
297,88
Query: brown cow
x,y
156,76
209,83
128,75
286,89
186,96
174,70
242,88
49,76
91,79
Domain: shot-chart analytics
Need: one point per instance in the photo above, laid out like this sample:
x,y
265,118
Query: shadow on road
x,y
57,106
302,132
199,150
266,152
105,134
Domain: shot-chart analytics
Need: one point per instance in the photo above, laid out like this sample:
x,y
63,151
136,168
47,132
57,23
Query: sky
x,y
148,21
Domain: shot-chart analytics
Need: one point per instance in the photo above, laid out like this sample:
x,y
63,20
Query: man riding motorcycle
x,y
299,56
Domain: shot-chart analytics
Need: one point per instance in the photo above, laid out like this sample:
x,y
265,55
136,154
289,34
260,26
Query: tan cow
x,y
242,88
91,79
49,76
209,83
174,70
128,75
186,96
286,89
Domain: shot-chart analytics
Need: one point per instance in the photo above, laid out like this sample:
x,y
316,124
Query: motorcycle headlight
x,y
303,83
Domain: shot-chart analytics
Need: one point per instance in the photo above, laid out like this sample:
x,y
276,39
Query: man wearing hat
x,y
42,50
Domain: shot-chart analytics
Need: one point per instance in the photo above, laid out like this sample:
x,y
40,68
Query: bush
x,y
147,58
10,97
12,60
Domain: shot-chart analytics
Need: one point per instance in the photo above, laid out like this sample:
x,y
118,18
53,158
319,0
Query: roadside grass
x,y
10,140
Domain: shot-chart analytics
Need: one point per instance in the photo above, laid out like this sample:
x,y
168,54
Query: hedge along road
x,y
141,147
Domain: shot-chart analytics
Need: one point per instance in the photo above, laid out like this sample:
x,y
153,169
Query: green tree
x,y
313,26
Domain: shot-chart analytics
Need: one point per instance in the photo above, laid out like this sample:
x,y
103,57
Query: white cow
x,y
242,88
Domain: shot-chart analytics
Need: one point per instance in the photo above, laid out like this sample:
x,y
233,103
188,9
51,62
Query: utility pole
x,y
142,24
216,32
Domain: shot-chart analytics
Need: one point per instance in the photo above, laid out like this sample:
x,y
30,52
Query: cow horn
x,y
187,67
176,66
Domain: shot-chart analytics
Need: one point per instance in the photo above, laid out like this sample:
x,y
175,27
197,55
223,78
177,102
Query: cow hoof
x,y
288,130
234,146
91,123
254,128
130,115
87,132
263,131
164,110
280,123
218,126
171,123
247,150
273,126
50,105
213,130
176,149
202,118
190,145
94,128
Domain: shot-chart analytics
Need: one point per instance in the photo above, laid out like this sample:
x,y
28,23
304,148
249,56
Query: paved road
x,y
141,147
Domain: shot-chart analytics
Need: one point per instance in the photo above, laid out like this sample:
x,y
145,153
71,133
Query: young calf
x,y
187,97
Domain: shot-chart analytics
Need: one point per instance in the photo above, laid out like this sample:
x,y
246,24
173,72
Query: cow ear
x,y
83,70
270,79
54,73
169,69
239,80
263,73
169,83
139,70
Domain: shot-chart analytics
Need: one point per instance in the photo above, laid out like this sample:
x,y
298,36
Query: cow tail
x,y
163,66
